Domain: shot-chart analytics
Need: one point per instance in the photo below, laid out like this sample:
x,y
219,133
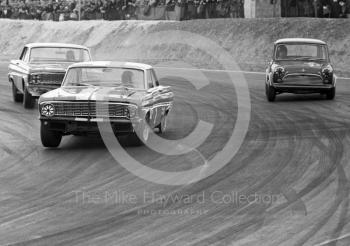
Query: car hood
x,y
310,67
51,67
94,93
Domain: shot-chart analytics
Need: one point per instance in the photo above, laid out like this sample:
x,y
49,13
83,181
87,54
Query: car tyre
x,y
16,95
144,132
28,99
270,93
49,138
330,94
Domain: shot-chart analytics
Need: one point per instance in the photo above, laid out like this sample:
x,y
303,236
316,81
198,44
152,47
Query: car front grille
x,y
90,110
49,79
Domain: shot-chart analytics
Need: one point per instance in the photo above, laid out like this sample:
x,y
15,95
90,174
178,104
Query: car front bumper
x,y
37,90
76,125
87,127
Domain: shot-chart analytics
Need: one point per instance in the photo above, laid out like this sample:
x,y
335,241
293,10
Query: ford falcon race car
x,y
41,68
300,65
127,96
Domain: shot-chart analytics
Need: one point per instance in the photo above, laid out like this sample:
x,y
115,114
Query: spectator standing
x,y
234,8
179,9
222,9
210,9
74,15
191,10
98,10
129,9
104,10
113,11
7,12
169,7
15,14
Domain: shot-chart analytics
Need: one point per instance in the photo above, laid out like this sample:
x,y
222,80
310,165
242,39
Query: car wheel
x,y
28,99
48,137
162,125
16,95
330,94
143,138
270,93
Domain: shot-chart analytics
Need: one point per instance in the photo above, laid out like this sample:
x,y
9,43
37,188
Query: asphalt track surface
x,y
295,158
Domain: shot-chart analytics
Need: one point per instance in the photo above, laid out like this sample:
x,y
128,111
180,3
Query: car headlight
x,y
327,73
278,73
327,69
34,79
48,110
132,111
279,70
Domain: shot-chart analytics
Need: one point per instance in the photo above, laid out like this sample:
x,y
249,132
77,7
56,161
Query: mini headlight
x,y
280,70
278,73
48,110
327,69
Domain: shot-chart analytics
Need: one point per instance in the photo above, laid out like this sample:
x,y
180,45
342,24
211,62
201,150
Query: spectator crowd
x,y
331,8
60,10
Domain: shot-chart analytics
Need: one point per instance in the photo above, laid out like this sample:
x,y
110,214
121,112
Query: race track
x,y
295,157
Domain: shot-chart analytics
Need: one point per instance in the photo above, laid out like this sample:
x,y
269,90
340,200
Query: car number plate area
x,y
303,80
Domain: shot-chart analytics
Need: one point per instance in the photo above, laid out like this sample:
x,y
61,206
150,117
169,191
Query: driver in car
x,y
127,78
282,52
70,55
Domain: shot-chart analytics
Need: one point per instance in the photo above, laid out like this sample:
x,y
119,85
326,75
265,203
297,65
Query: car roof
x,y
299,40
121,64
61,45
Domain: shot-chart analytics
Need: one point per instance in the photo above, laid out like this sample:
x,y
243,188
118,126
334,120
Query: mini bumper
x,y
302,88
303,83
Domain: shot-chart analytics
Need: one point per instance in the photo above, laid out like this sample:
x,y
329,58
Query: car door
x,y
18,68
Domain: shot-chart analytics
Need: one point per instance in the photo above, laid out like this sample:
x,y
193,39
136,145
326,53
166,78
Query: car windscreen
x,y
58,54
296,51
105,76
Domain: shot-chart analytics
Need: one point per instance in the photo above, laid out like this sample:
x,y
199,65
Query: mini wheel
x,y
330,94
270,93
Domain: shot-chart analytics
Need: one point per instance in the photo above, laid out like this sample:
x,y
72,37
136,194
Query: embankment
x,y
248,41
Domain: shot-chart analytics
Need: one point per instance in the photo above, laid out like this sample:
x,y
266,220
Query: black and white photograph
x,y
174,122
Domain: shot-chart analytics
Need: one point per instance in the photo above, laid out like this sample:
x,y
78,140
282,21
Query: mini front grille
x,y
302,79
89,109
